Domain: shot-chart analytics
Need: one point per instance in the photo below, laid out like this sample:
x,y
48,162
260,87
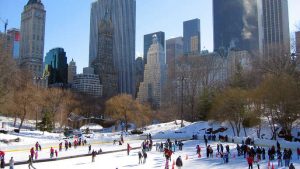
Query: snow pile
x,y
91,126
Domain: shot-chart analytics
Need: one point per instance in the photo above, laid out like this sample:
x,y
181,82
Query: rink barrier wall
x,y
69,157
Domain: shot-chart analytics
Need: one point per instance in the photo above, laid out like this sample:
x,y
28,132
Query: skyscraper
x,y
32,36
57,60
191,36
236,25
150,89
275,24
104,62
174,48
72,70
123,18
148,42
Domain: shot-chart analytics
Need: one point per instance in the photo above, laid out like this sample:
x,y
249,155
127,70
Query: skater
x,y
207,151
180,144
11,163
56,153
298,152
291,166
100,151
263,154
205,140
140,157
2,163
30,162
37,146
279,158
145,156
32,152
257,162
36,155
66,145
60,146
90,148
51,152
93,156
179,162
128,149
198,148
40,147
250,162
122,139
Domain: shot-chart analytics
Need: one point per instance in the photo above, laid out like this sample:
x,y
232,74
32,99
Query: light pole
x,y
36,111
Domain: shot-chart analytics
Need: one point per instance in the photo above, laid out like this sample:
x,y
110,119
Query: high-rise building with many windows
x,y
148,38
72,70
103,64
275,24
123,17
33,37
150,89
236,25
57,60
174,49
87,83
191,36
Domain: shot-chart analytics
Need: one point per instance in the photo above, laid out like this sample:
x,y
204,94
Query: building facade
x,y
174,49
57,60
32,37
14,34
297,35
150,89
236,25
275,24
72,71
87,83
123,18
139,73
148,42
191,36
104,62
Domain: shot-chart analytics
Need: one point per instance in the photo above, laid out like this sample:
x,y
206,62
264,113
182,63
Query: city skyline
x,y
61,32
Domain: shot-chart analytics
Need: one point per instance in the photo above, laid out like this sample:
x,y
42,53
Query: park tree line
x,y
49,108
268,91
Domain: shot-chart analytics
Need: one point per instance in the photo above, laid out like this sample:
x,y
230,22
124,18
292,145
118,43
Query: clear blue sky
x,y
68,22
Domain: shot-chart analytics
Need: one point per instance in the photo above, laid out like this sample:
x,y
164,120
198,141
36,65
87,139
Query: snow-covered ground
x,y
20,150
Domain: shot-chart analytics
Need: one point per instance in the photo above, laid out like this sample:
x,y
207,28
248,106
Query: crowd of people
x,y
253,154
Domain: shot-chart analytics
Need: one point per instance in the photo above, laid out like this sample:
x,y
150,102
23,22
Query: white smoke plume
x,y
250,7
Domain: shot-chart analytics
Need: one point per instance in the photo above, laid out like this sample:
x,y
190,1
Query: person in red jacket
x,y
250,161
298,152
51,152
32,152
198,148
128,149
56,153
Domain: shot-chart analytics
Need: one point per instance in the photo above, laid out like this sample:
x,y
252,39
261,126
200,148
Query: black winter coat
x,y
179,162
